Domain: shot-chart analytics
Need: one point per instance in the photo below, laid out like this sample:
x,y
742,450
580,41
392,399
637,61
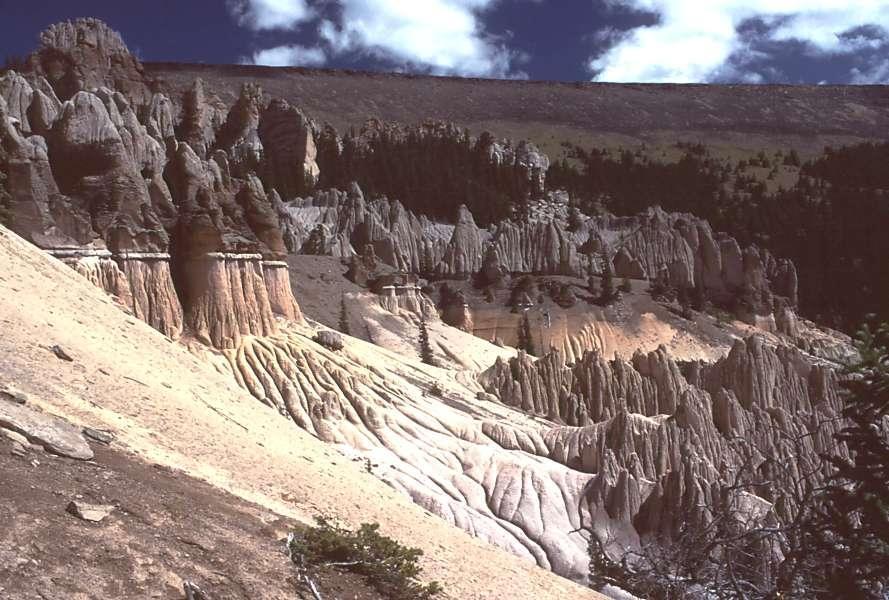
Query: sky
x,y
680,41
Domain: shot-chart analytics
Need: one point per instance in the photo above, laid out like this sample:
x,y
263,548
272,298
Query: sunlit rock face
x,y
184,239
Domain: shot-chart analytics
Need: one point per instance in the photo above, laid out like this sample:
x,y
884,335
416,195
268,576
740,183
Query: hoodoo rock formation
x,y
188,211
181,240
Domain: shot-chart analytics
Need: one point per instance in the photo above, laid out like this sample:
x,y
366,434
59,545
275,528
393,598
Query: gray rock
x,y
330,340
15,437
99,435
54,434
18,449
94,513
61,354
11,394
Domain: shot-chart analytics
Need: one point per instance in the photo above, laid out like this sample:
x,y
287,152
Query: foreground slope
x,y
171,408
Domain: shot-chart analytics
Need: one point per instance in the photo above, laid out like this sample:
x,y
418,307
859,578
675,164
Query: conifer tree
x,y
852,525
344,317
608,292
526,339
426,354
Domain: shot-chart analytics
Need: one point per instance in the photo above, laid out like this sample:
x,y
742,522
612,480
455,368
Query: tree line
x,y
432,173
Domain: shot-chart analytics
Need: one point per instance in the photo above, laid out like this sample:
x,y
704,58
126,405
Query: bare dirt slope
x,y
749,116
166,528
171,408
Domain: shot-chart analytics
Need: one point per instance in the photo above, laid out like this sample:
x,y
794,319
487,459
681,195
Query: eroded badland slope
x,y
172,408
191,246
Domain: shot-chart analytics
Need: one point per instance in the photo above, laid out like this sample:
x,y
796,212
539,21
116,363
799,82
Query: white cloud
x,y
442,36
695,40
873,74
294,55
270,14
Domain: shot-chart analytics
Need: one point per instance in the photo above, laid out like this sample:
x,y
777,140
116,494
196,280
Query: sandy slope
x,y
174,409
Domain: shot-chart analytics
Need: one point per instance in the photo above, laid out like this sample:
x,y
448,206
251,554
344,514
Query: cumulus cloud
x,y
443,37
292,55
697,41
270,14
874,73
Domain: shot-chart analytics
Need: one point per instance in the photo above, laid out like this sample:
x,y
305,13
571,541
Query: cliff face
x,y
102,181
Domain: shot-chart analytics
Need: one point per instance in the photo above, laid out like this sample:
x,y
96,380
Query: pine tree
x,y
526,339
426,354
574,220
608,293
344,317
853,523
426,266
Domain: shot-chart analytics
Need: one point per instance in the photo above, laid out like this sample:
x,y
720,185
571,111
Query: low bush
x,y
392,569
330,340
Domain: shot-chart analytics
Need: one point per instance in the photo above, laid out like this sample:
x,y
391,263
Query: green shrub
x,y
392,569
5,200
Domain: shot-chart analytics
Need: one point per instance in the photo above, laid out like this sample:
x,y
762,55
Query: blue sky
x,y
754,41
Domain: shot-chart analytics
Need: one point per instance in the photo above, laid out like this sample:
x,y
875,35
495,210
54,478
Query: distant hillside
x,y
605,114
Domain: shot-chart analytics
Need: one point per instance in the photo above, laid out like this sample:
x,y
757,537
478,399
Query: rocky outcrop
x,y
239,134
18,94
649,451
538,246
201,119
687,250
760,403
151,285
86,54
100,270
52,433
463,256
350,223
276,276
40,213
111,190
225,229
227,298
91,163
526,157
288,141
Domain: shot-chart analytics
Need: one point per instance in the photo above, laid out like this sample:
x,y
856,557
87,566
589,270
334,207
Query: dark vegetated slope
x,y
433,174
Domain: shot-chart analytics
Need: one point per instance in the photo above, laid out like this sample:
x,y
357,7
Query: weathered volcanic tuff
x,y
86,54
678,247
627,448
179,237
186,209
288,141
